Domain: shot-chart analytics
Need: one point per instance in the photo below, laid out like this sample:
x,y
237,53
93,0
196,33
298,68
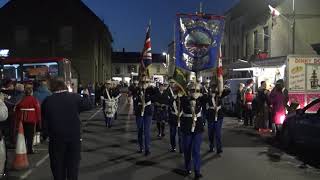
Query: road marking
x,y
42,160
39,163
91,117
25,175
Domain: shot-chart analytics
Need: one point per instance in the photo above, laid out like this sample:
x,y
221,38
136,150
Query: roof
x,y
32,60
135,57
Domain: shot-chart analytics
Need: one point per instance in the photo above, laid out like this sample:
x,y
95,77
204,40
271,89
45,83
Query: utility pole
x,y
293,27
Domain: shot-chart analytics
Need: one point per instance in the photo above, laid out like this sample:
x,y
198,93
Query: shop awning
x,y
271,62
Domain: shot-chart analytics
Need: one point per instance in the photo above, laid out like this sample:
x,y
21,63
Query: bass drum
x,y
110,109
3,158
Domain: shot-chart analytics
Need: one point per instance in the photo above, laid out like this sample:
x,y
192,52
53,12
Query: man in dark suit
x,y
61,123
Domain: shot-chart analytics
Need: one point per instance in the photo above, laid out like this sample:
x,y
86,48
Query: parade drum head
x,y
110,106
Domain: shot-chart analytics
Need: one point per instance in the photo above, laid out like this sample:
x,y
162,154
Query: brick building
x,y
58,28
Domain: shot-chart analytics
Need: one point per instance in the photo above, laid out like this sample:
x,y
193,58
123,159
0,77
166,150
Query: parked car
x,y
302,127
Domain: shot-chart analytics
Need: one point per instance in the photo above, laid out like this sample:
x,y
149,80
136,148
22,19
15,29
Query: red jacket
x,y
28,110
248,97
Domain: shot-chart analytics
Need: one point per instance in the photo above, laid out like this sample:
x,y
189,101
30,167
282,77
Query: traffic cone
x,y
21,160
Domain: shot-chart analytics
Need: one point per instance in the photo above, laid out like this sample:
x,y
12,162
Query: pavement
x,y
111,154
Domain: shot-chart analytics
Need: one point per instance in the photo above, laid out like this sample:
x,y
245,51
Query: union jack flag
x,y
146,59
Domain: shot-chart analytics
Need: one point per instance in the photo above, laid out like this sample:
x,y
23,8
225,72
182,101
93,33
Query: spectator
x,y
3,126
80,88
239,106
248,98
262,114
42,92
278,101
19,92
61,123
28,112
97,93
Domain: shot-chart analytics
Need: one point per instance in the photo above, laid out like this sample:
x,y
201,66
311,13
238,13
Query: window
x,y
117,70
266,39
132,69
255,42
65,38
21,37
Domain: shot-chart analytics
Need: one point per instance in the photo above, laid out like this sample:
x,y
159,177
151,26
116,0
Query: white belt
x,y
249,102
27,109
190,115
146,104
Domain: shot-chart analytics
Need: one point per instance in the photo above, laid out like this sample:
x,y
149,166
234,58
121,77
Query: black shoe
x,y
140,151
211,150
173,150
187,172
163,135
147,153
159,135
198,176
219,152
181,152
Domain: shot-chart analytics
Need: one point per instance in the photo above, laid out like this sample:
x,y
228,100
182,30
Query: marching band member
x,y
161,108
174,116
192,127
108,96
144,112
205,90
215,117
133,91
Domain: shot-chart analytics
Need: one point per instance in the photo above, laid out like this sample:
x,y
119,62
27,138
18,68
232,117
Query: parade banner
x,y
180,78
198,39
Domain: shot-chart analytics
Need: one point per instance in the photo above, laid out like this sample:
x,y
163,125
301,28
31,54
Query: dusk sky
x,y
128,19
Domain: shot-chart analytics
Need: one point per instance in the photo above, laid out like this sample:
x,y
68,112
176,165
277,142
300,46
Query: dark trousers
x,y
29,131
191,147
161,127
214,134
108,121
64,159
161,118
248,120
173,132
143,126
